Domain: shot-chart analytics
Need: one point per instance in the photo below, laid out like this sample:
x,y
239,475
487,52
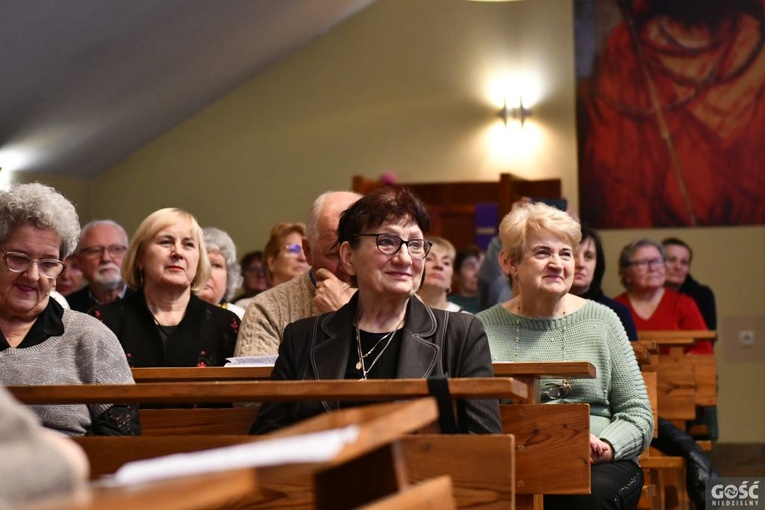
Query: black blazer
x,y
433,342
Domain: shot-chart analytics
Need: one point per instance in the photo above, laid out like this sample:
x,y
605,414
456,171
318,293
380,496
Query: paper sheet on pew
x,y
306,448
266,360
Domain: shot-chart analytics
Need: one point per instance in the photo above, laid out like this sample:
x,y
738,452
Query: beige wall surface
x,y
405,86
412,87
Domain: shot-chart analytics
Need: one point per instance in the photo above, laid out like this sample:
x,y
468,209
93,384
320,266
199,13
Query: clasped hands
x,y
600,451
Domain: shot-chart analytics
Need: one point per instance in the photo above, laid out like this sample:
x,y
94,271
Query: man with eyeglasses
x,y
99,252
324,288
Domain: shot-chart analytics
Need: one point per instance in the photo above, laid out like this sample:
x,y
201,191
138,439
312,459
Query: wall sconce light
x,y
520,113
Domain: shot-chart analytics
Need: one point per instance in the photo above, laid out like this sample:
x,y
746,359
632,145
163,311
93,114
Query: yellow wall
x,y
406,86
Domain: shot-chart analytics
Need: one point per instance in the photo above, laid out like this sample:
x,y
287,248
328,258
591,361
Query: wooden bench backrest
x,y
261,391
239,420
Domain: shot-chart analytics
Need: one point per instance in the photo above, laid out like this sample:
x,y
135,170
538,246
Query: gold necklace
x,y
556,391
360,365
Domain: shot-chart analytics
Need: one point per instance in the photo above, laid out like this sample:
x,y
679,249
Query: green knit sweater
x,y
620,412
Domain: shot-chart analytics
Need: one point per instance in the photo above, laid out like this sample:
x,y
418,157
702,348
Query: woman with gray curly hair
x,y
225,274
41,342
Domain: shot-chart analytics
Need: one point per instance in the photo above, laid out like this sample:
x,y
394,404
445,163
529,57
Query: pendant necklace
x,y
361,365
562,389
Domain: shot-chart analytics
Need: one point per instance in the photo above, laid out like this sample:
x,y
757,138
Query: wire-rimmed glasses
x,y
20,262
390,244
96,252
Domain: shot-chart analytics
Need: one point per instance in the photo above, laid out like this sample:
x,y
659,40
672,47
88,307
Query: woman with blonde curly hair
x,y
545,322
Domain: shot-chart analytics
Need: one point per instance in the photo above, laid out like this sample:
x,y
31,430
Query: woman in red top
x,y
642,267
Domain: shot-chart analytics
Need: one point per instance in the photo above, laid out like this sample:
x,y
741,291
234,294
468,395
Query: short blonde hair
x,y
147,230
444,243
516,226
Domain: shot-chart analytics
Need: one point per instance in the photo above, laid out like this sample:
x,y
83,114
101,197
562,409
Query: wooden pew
x,y
684,381
664,475
369,468
292,489
435,494
186,493
527,421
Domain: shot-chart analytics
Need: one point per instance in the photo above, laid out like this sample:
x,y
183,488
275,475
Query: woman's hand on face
x,y
331,292
600,451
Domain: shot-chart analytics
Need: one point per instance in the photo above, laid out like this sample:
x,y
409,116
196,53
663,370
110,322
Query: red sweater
x,y
675,312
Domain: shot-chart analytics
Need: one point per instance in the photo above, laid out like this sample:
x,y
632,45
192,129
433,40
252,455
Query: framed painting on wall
x,y
671,112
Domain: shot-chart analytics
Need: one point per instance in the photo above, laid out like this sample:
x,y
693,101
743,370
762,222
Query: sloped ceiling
x,y
84,83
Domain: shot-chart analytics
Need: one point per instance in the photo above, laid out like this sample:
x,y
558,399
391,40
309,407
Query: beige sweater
x,y
270,312
30,467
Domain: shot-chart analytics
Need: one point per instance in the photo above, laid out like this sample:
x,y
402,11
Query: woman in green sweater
x,y
544,322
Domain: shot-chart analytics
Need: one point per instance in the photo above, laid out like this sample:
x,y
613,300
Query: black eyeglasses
x,y
20,262
96,252
390,244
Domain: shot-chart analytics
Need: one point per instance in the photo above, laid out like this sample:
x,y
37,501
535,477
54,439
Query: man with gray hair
x,y
322,289
99,252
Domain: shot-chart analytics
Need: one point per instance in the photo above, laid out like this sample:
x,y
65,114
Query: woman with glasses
x,y
284,253
164,324
658,308
642,269
41,342
545,322
384,332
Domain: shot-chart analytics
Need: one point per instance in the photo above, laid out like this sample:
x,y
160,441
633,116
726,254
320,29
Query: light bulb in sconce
x,y
520,113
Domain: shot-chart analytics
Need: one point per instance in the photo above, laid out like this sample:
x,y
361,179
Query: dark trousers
x,y
615,485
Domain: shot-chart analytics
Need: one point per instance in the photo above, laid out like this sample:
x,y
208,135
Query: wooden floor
x,y
739,459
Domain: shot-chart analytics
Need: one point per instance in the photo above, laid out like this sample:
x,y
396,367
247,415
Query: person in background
x,y
164,324
437,280
642,267
324,288
545,322
655,307
493,286
679,258
466,265
40,341
37,462
254,278
384,331
99,253
72,279
284,254
588,275
225,276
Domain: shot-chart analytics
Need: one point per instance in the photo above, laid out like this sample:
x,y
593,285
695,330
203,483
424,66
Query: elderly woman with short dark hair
x,y
225,275
384,332
164,323
545,322
643,272
40,342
